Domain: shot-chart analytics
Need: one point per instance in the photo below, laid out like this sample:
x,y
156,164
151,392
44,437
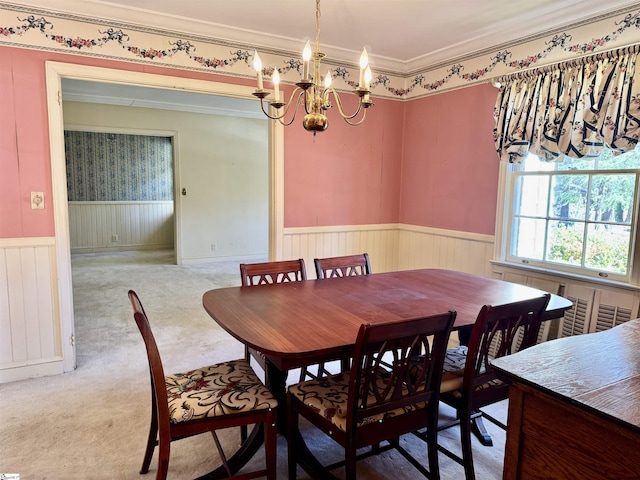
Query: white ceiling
x,y
403,35
145,97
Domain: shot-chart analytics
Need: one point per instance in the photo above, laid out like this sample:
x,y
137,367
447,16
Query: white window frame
x,y
506,186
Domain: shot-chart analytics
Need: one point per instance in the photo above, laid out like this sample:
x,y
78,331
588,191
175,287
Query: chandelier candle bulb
x,y
364,61
327,79
257,64
276,85
367,78
306,57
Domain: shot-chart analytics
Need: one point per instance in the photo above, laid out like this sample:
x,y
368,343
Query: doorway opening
x,y
56,72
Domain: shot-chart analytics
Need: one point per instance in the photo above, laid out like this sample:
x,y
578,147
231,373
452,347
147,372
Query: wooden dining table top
x,y
296,323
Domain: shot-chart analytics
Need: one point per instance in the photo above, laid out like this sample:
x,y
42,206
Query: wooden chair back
x,y
344,266
158,388
499,331
263,273
375,403
406,383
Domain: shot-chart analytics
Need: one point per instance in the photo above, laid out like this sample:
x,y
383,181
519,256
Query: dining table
x,y
303,323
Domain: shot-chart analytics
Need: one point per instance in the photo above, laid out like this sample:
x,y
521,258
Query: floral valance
x,y
575,108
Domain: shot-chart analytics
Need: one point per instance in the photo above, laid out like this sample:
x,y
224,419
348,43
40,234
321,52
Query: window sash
x,y
512,197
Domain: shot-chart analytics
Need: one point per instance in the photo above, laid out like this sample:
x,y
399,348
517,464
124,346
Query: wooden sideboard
x,y
574,407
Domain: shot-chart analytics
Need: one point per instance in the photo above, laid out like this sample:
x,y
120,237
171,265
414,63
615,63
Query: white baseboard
x,y
16,372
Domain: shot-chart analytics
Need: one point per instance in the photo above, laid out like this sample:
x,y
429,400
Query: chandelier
x,y
311,92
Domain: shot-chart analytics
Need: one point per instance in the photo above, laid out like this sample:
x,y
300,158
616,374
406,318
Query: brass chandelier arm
x,y
355,124
287,106
295,110
339,104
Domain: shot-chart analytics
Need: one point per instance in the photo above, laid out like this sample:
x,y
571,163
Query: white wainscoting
x,y
424,247
393,247
379,241
137,225
30,343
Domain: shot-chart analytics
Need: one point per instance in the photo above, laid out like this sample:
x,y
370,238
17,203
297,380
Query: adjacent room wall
x,y
120,191
222,165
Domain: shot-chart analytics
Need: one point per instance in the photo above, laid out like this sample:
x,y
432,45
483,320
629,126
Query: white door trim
x,y
55,72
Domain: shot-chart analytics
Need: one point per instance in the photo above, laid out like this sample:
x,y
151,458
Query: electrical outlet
x,y
37,200
114,238
214,247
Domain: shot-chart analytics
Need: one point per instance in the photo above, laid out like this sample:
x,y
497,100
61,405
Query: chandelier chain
x,y
317,25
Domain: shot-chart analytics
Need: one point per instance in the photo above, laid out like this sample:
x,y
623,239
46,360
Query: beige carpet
x,y
92,423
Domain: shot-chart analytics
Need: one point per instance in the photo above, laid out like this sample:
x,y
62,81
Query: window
x,y
577,216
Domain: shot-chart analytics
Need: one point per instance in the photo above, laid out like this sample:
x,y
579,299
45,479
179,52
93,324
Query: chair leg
x,y
152,439
270,443
350,463
292,432
164,451
465,440
432,444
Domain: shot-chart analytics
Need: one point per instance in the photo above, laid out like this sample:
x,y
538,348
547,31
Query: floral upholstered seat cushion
x,y
328,396
220,389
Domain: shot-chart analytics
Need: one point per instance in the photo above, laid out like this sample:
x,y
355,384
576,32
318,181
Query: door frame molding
x,y
55,72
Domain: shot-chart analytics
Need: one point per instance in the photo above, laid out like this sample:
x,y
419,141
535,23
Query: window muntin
x,y
577,216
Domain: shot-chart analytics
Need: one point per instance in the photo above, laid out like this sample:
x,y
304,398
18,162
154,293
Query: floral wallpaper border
x,y
42,29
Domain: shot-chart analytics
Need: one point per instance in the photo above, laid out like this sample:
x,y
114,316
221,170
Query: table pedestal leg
x,y
278,387
480,431
241,457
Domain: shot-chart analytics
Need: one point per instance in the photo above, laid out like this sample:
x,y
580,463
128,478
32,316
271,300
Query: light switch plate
x,y
37,200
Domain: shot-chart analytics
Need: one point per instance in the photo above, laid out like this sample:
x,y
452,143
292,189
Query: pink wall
x,y
450,167
346,175
24,147
428,162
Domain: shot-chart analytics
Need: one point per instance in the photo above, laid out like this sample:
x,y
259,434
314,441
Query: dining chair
x,y
205,399
344,266
266,273
370,404
336,267
469,381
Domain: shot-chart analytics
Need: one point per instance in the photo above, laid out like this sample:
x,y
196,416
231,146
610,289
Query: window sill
x,y
566,275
